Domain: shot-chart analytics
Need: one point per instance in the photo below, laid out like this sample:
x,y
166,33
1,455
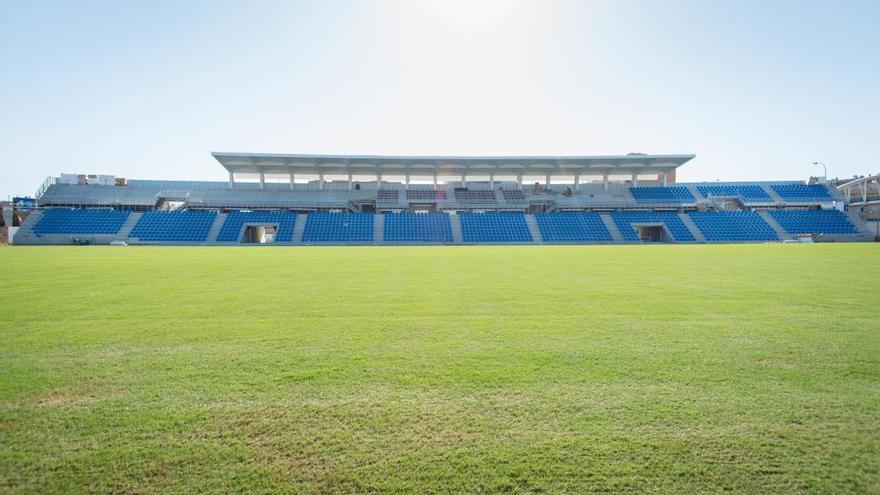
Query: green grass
x,y
747,368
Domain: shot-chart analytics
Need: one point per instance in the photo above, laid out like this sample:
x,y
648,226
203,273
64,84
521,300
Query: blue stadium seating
x,y
802,192
662,194
721,226
625,219
494,227
338,227
417,227
64,221
814,222
174,226
283,220
575,226
746,192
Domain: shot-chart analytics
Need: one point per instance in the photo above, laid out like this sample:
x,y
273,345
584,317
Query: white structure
x,y
285,168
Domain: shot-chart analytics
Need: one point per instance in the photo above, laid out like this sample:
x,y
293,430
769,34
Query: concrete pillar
x,y
435,180
635,179
349,181
547,180
605,182
262,180
664,177
492,181
321,181
519,180
577,182
231,180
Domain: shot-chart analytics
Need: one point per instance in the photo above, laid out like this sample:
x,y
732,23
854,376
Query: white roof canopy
x,y
266,163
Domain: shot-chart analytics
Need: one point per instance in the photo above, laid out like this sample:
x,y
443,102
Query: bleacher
x,y
575,226
802,192
425,194
814,221
662,194
236,220
494,227
625,219
80,221
338,227
417,227
174,226
513,196
749,192
733,226
475,197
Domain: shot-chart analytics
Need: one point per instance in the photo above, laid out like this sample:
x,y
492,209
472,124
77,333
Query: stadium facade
x,y
387,200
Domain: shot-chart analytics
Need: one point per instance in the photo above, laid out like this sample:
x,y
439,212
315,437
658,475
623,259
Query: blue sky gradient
x,y
758,90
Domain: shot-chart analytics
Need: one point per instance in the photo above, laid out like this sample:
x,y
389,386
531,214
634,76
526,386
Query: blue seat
x,y
174,226
732,226
574,226
802,192
495,227
417,227
338,227
662,194
814,221
80,221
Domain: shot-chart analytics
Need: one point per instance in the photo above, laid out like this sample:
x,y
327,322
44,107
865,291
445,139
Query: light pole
x,y
824,168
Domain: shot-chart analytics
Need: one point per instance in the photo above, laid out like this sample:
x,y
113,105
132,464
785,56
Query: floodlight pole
x,y
824,168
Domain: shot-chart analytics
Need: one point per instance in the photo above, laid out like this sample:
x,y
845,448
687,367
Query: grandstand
x,y
333,199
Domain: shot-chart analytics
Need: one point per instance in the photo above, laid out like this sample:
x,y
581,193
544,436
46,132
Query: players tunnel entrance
x,y
652,232
259,234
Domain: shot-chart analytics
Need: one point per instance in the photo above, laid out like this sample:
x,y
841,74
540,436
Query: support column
x,y
635,179
519,180
231,180
664,177
492,181
435,180
349,181
547,180
292,181
320,181
577,182
605,182
262,180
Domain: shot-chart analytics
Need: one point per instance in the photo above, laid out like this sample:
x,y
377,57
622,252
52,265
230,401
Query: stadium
x,y
297,199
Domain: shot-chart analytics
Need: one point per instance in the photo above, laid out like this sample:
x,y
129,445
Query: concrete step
x,y
299,228
455,222
781,233
219,220
532,224
773,194
133,219
379,228
689,223
25,233
616,236
695,192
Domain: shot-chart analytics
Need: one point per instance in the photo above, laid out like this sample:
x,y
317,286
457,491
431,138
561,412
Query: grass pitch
x,y
747,368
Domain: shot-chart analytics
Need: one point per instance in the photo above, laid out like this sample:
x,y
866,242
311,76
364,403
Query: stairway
x,y
689,223
772,193
25,234
455,223
695,192
299,228
532,224
781,233
129,224
378,228
616,236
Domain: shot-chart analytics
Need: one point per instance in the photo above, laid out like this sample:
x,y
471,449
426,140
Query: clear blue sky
x,y
756,89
